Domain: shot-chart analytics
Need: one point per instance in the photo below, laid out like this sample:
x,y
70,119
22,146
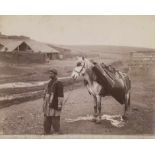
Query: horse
x,y
99,84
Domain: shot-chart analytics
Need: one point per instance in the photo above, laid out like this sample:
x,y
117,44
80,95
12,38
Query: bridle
x,y
80,69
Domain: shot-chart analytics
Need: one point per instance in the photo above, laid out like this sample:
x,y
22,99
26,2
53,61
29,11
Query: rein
x,y
71,91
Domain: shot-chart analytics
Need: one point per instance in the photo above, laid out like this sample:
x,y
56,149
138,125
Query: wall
x,y
22,57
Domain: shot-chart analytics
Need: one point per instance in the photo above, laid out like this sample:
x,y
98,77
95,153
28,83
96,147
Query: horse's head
x,y
80,69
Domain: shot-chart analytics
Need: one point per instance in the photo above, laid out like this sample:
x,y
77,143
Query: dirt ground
x,y
27,118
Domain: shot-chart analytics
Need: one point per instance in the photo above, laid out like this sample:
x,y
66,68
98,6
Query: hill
x,y
99,49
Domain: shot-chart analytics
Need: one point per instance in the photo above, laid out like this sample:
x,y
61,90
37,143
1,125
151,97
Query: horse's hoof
x,y
124,118
94,119
98,121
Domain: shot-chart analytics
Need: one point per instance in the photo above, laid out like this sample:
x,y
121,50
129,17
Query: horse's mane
x,y
90,64
91,74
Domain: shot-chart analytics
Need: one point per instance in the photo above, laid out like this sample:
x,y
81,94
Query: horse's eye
x,y
79,64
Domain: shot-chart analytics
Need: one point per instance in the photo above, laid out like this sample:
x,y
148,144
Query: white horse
x,y
119,89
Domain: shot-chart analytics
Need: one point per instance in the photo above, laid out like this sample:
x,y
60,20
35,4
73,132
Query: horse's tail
x,y
128,85
129,102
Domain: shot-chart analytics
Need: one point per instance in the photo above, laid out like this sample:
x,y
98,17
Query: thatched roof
x,y
9,44
40,47
12,44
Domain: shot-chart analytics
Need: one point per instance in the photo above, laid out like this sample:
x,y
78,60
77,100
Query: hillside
x,y
99,49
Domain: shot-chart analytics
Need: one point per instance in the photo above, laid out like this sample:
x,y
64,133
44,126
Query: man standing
x,y
53,101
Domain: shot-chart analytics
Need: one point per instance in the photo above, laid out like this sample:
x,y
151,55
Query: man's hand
x,y
47,97
60,102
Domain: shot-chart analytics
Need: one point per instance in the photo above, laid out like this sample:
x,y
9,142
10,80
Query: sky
x,y
136,31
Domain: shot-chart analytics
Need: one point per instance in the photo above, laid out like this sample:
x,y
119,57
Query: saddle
x,y
108,76
112,72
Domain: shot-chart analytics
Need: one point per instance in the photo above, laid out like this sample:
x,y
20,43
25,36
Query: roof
x,y
40,47
12,44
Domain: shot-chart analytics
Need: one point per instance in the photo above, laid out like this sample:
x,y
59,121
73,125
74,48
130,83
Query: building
x,y
23,46
143,57
64,52
28,46
142,61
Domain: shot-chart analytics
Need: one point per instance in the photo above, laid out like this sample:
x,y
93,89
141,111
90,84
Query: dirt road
x,y
27,118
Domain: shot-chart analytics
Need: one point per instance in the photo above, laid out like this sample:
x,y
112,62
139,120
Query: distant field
x,y
39,72
100,49
33,72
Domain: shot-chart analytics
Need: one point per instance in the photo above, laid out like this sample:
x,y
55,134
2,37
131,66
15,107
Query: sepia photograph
x,y
77,76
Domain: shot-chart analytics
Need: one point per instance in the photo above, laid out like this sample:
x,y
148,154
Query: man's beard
x,y
52,77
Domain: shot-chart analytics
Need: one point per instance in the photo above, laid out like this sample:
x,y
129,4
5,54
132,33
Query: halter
x,y
80,70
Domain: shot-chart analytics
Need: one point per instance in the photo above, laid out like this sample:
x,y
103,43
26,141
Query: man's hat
x,y
53,71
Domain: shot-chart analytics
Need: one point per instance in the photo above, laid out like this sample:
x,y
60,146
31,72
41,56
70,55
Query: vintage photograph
x,y
70,76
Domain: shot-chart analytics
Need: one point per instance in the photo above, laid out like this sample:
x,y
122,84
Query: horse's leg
x,y
98,108
95,109
126,105
126,97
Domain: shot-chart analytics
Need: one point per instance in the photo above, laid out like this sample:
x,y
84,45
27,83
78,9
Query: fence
x,y
141,62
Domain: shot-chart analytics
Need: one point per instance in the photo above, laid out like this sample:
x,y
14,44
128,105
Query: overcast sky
x,y
92,30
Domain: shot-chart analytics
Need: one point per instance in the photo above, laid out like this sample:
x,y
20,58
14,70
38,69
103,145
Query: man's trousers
x,y
51,121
